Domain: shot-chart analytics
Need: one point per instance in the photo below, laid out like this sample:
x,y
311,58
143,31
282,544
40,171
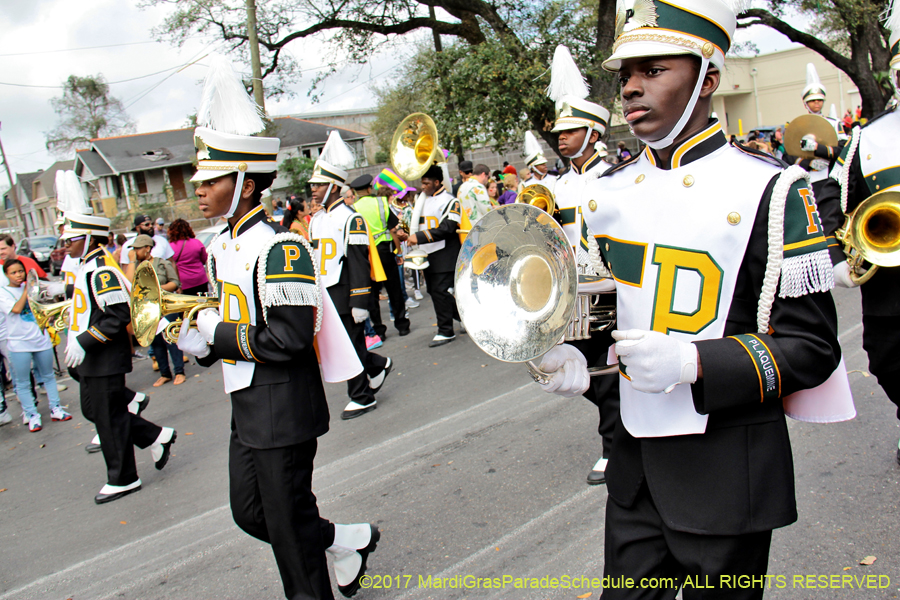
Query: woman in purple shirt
x,y
189,258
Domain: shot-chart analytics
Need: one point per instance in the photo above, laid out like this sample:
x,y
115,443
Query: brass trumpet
x,y
55,315
150,303
872,234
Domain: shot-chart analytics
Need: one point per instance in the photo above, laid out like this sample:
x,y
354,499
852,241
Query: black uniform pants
x,y
445,310
641,547
358,388
881,341
604,389
104,402
272,500
394,288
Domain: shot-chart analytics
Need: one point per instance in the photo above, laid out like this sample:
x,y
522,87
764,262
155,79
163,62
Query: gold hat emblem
x,y
202,149
641,14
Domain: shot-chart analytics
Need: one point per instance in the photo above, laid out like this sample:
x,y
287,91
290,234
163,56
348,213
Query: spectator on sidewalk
x,y
143,225
8,251
189,258
28,346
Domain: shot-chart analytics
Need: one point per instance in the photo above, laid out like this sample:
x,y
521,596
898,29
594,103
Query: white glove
x,y
207,321
568,371
53,289
842,275
808,143
359,314
192,342
74,352
656,362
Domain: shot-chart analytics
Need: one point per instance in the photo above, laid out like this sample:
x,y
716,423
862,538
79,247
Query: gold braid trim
x,y
656,37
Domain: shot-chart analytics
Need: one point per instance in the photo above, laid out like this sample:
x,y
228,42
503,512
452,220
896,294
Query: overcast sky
x,y
35,30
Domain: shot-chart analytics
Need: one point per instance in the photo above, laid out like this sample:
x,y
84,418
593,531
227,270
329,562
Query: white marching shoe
x,y
351,548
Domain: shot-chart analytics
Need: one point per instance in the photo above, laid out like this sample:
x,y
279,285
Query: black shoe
x,y
376,382
353,587
93,448
354,410
596,478
104,498
440,340
403,332
167,448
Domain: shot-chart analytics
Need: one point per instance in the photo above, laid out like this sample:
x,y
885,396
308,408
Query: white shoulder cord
x,y
775,256
855,134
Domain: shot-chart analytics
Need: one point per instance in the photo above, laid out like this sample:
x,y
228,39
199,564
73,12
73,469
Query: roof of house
x,y
47,179
300,132
93,162
143,151
25,180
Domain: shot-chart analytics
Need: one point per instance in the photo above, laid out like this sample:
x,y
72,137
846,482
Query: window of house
x,y
307,154
140,182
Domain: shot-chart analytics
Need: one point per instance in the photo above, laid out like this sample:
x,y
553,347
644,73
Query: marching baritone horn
x,y
517,287
872,234
55,315
150,303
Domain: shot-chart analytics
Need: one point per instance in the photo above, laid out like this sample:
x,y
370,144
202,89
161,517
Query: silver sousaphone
x,y
516,287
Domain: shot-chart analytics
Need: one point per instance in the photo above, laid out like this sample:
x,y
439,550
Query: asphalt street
x,y
468,469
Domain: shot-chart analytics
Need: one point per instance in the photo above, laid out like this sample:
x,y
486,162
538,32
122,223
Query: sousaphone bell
x,y
516,285
415,147
150,303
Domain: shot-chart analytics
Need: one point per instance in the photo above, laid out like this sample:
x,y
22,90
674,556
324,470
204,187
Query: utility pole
x,y
12,190
254,54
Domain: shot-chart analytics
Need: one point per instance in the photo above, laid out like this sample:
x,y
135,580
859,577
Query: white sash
x,y
433,211
235,262
691,259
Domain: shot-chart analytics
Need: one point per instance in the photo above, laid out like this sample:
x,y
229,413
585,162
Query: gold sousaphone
x,y
805,125
55,315
150,303
516,286
872,234
540,196
415,146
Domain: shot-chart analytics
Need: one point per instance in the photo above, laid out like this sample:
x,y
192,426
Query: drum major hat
x,y
673,27
76,211
333,162
814,89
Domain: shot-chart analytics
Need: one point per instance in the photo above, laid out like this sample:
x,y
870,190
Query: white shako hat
x,y
534,154
568,91
78,216
893,25
646,28
225,140
814,89
332,164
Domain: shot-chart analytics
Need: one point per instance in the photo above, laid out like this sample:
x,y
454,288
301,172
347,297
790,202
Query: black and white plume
x,y
337,153
565,77
225,105
70,195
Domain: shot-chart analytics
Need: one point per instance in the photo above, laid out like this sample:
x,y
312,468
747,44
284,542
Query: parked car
x,y
39,248
57,256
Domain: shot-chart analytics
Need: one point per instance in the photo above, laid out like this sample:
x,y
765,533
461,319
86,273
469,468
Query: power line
x,y
81,48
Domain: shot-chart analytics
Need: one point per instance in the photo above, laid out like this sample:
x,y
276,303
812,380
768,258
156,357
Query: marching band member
x,y
270,309
825,156
341,240
581,125
436,218
537,163
383,225
870,163
709,343
98,350
67,184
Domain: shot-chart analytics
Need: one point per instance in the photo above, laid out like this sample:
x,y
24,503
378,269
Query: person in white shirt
x,y
143,225
28,345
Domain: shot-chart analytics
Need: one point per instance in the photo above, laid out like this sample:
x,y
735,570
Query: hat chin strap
x,y
238,186
587,137
87,245
688,111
